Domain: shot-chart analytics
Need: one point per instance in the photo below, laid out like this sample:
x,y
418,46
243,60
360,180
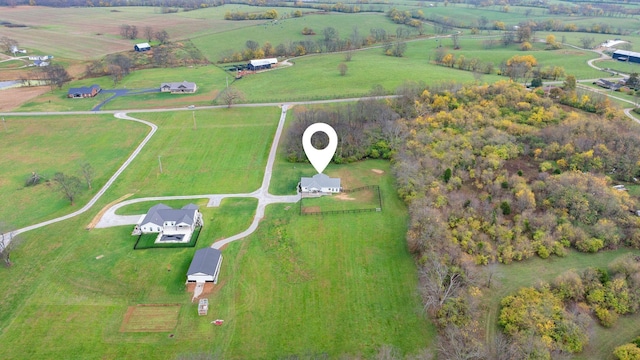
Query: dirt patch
x,y
311,209
343,196
209,289
98,216
151,318
13,98
378,171
529,170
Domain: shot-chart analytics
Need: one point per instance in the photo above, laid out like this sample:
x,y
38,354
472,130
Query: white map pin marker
x,y
319,158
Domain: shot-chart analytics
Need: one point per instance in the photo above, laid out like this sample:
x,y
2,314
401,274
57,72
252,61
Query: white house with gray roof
x,y
205,266
163,219
320,183
184,87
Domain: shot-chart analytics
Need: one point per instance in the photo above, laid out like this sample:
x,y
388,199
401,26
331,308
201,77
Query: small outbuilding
x,y
184,87
261,64
84,92
205,266
320,183
624,55
142,47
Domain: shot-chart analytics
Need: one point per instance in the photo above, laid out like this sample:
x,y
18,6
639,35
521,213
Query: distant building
x,y
320,183
142,47
205,266
624,55
184,87
40,63
613,43
84,92
261,64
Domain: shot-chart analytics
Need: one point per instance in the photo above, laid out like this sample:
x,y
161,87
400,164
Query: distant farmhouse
x,y
142,47
609,84
184,87
624,55
83,92
320,183
205,266
261,64
171,225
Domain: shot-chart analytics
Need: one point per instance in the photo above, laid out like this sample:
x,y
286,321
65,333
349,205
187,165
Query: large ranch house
x,y
184,87
171,225
83,92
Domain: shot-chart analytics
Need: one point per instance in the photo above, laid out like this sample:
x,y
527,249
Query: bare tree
x,y
348,55
55,75
162,36
342,67
587,42
148,33
456,41
87,173
7,242
133,33
70,186
439,282
456,343
8,44
33,179
125,29
115,72
231,95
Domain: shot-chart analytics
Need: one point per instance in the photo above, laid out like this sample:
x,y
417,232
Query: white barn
x,y
205,266
320,183
262,64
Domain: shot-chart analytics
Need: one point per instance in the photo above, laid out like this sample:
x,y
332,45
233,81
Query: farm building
x,y
320,183
261,64
163,219
205,266
84,92
624,55
184,87
142,47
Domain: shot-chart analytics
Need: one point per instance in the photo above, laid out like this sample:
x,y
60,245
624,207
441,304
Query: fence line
x,y
347,211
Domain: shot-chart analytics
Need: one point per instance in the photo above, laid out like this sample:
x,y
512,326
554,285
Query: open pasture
x,y
58,144
90,33
224,145
215,45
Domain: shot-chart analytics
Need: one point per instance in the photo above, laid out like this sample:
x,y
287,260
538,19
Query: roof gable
x,y
161,213
205,261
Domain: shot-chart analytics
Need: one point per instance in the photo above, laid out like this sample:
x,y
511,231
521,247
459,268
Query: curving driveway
x,y
109,218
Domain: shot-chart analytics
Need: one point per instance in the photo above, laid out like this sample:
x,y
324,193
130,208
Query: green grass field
x,y
227,145
58,144
300,285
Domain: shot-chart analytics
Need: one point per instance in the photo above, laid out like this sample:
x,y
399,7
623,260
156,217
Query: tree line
x,y
329,40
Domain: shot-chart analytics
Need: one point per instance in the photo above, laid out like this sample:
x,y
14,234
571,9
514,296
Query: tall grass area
x,y
226,153
58,144
531,272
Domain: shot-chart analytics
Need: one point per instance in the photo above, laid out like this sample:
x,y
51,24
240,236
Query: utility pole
x,y
160,163
194,120
227,81
4,123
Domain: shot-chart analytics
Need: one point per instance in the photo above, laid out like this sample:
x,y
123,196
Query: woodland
x,y
500,174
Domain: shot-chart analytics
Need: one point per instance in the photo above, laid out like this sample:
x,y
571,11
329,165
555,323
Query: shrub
x,y
505,207
591,245
627,352
607,318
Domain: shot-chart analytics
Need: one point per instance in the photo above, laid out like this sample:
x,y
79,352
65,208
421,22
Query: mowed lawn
x,y
226,152
331,285
300,285
47,145
69,290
